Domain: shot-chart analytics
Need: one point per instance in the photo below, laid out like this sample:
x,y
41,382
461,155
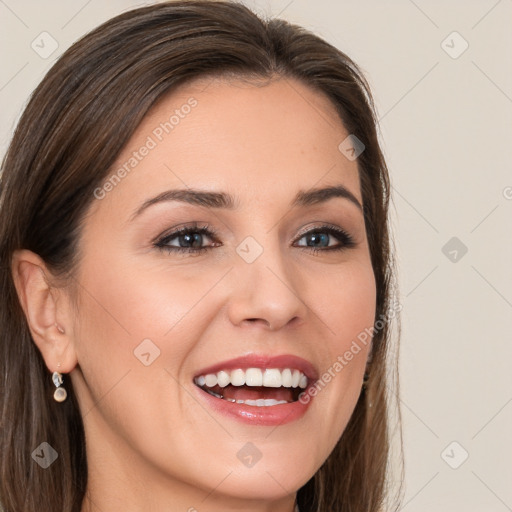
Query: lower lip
x,y
271,415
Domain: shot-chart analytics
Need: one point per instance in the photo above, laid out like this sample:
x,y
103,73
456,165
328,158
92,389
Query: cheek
x,y
141,321
130,320
347,304
125,305
135,331
348,310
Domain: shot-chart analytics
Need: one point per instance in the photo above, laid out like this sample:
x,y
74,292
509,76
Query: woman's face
x,y
257,284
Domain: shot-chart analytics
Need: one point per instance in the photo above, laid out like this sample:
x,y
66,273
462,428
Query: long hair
x,y
76,123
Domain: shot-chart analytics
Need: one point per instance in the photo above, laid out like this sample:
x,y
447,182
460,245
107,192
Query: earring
x,y
60,393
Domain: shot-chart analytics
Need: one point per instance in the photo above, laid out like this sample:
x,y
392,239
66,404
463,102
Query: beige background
x,y
446,123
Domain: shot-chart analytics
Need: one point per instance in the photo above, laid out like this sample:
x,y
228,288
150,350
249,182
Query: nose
x,y
267,291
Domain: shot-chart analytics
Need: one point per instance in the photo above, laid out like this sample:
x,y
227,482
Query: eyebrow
x,y
227,201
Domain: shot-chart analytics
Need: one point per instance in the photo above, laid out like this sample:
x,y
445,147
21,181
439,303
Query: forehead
x,y
252,139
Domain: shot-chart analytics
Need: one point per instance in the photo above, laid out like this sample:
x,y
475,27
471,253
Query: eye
x,y
320,237
191,239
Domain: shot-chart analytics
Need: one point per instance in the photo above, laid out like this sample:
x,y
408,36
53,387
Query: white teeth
x,y
295,378
270,378
210,380
286,378
253,377
223,379
237,378
262,402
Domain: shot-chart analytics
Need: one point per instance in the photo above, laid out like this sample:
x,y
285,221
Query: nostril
x,y
253,320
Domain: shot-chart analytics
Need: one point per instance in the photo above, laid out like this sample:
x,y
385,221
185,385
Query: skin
x,y
150,444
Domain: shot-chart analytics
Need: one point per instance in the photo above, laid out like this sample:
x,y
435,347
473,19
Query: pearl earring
x,y
60,393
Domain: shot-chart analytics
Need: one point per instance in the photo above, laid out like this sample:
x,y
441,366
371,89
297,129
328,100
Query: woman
x,y
197,273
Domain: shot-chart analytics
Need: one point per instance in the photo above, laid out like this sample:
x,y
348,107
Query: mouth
x,y
255,386
258,390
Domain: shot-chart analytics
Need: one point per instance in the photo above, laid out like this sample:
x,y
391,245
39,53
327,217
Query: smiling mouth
x,y
255,386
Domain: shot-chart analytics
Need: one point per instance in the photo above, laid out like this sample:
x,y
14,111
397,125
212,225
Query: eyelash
x,y
346,240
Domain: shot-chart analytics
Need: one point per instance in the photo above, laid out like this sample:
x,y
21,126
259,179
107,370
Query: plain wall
x,y
446,125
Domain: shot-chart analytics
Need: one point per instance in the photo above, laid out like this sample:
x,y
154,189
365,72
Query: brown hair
x,y
74,126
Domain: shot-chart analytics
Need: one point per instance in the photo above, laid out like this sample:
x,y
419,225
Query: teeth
x,y
210,380
223,379
237,378
254,377
270,378
286,378
261,402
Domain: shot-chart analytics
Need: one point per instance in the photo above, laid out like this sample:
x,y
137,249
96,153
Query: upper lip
x,y
264,361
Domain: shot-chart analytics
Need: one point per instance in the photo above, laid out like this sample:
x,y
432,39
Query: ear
x,y
46,309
